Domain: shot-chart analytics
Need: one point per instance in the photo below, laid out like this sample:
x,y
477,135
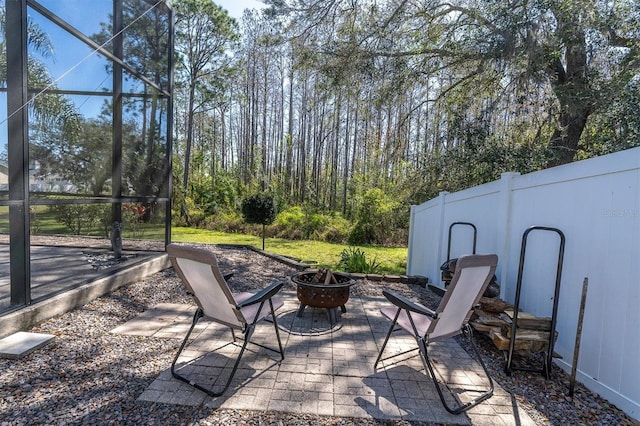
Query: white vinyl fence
x,y
596,204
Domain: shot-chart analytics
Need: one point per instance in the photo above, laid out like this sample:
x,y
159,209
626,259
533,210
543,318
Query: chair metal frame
x,y
240,311
471,278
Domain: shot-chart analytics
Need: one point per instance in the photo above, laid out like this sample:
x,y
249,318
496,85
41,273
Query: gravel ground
x,y
89,376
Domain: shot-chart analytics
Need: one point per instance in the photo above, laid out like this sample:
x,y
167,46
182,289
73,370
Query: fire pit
x,y
323,289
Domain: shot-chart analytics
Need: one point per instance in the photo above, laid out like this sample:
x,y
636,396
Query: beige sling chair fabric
x,y
472,276
199,272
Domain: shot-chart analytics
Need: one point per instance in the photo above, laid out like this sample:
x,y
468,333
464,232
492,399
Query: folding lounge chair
x,y
472,276
198,270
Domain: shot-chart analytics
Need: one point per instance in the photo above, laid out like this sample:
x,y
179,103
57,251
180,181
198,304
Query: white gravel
x,y
90,376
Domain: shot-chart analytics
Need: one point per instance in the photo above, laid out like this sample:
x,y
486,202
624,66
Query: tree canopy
x,y
564,60
328,101
359,108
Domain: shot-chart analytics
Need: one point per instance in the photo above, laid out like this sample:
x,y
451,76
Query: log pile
x,y
321,276
494,317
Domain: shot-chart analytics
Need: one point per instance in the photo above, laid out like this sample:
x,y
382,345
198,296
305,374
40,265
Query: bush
x,y
133,219
227,221
296,223
355,260
193,215
375,218
211,194
290,224
81,219
259,209
336,231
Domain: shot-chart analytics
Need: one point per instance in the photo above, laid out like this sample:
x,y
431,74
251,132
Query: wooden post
x,y
576,350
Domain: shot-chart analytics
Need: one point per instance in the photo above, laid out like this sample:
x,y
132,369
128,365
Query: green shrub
x,y
193,215
379,220
133,219
290,224
227,221
259,209
34,221
80,219
337,231
213,193
355,260
315,225
105,219
297,223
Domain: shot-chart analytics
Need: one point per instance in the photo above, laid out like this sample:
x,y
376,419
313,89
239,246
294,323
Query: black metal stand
x,y
546,368
332,313
439,290
475,237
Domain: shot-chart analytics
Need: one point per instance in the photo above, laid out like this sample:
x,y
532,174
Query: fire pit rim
x,y
348,283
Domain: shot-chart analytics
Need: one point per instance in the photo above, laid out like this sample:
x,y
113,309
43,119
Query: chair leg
x,y
386,339
462,407
247,337
198,314
275,324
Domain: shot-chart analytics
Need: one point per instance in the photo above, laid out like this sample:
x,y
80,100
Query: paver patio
x,y
327,370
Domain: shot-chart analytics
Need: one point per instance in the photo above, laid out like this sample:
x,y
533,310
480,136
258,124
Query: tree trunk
x,y
265,145
571,86
289,153
333,170
345,172
302,163
566,138
187,153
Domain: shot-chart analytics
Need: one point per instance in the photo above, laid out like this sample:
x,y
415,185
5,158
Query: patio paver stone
x,y
22,343
327,370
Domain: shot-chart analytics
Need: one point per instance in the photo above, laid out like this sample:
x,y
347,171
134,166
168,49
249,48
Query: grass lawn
x,y
392,260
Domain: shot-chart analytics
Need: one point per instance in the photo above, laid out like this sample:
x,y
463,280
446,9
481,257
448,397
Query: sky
x,y
87,72
236,7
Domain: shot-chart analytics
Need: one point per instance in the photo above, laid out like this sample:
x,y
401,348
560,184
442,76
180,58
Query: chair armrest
x,y
264,294
404,303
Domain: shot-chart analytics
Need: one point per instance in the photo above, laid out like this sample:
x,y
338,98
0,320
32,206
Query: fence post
x,y
503,227
442,204
411,250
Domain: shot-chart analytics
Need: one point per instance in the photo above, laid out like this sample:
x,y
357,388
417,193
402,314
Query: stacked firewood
x,y
324,276
494,317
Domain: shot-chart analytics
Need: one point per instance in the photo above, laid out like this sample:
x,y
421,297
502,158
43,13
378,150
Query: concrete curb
x,y
405,279
25,318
